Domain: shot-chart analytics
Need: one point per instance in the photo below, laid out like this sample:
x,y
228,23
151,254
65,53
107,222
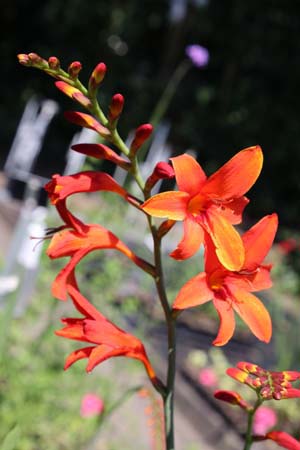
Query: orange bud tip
x,y
97,76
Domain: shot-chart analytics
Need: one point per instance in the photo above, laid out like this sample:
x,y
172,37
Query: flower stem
x,y
248,438
168,398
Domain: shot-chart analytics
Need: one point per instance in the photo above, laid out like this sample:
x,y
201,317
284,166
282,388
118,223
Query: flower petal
x,y
189,174
72,330
227,322
81,353
61,187
235,177
258,241
254,314
254,281
233,210
102,353
193,237
171,205
229,245
195,292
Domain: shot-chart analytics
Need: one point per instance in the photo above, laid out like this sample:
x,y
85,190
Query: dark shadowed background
x,y
247,95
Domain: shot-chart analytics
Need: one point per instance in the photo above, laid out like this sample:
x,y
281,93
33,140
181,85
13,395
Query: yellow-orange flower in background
x,y
209,205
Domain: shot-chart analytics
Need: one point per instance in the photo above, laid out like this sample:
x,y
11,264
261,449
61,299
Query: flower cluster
x,y
209,208
268,385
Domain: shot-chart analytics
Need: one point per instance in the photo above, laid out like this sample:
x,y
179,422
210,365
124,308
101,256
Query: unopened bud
x,y
24,59
142,133
37,60
54,63
74,69
97,76
115,107
161,171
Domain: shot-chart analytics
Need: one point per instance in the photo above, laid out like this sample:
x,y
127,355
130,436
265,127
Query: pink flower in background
x,y
91,405
264,419
208,377
198,55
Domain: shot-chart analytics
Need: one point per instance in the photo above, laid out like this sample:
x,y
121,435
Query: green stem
x,y
168,398
248,438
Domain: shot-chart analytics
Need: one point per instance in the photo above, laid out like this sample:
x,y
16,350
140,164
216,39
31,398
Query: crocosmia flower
x,y
284,440
105,339
209,205
269,384
61,187
77,245
231,290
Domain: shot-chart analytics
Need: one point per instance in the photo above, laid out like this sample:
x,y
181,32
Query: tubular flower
x,y
61,187
209,205
269,385
231,291
76,245
108,340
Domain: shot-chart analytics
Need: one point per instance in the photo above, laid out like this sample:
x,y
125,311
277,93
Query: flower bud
x,y
142,133
161,171
37,60
24,59
115,107
231,397
54,63
97,77
74,69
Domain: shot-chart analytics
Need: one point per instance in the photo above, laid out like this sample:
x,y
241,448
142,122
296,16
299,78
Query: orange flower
x,y
109,340
231,291
77,245
209,205
61,187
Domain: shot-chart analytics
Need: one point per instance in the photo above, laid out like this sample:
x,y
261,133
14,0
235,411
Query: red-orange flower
x,y
283,439
108,340
209,205
231,291
77,245
269,384
61,187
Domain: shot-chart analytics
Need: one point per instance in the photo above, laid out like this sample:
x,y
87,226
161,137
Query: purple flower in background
x,y
198,55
